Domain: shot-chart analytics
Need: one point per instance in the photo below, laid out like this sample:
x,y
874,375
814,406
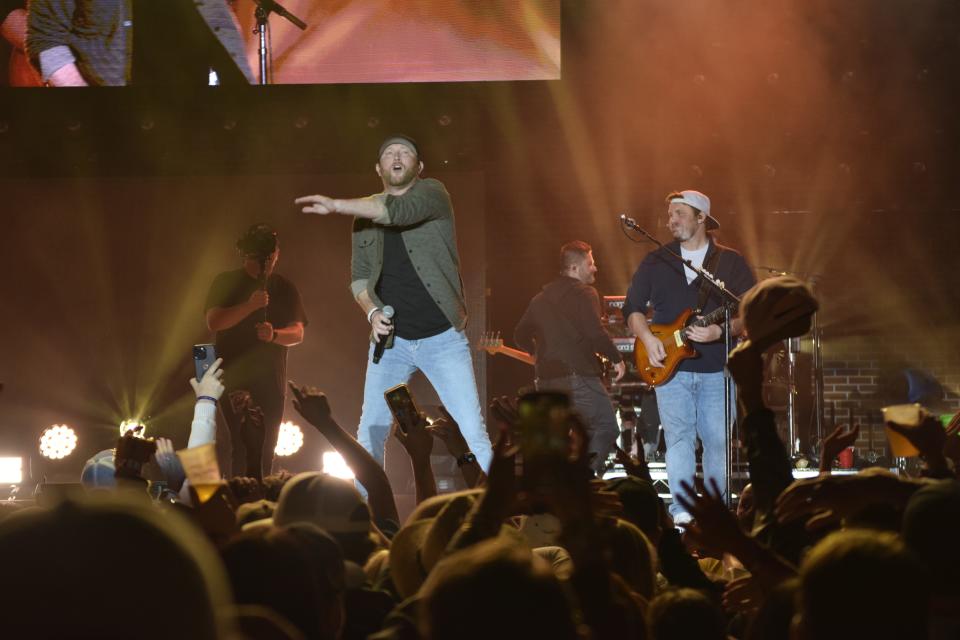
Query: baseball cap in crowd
x,y
330,503
698,201
99,472
420,544
254,514
775,309
399,138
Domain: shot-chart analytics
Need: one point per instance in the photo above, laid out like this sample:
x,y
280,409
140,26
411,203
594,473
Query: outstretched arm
x,y
447,429
48,23
315,409
208,390
418,443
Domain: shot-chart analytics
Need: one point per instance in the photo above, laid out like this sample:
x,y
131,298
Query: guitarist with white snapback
x,y
690,401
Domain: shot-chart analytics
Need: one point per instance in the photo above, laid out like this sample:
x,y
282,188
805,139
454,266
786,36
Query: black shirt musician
x,y
257,315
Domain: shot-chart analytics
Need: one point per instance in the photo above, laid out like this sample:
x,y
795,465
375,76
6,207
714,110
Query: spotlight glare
x,y
289,439
57,441
11,470
135,425
334,465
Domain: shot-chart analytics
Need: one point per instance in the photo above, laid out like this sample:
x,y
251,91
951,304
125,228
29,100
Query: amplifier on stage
x,y
624,345
613,309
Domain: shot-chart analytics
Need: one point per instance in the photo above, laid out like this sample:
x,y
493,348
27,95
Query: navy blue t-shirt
x,y
660,282
247,361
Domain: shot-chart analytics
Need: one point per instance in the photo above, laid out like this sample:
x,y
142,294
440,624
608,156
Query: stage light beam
x,y
334,465
11,470
136,426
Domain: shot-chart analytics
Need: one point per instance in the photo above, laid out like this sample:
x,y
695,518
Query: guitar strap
x,y
705,287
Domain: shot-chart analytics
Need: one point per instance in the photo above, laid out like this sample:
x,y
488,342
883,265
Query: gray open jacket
x,y
425,216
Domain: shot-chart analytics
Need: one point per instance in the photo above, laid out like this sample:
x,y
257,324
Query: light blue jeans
x,y
691,407
446,362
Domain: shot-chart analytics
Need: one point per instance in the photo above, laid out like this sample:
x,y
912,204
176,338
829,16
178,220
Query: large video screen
x,y
180,42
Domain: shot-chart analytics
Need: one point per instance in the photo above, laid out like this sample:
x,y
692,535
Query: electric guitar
x,y
675,342
492,343
20,72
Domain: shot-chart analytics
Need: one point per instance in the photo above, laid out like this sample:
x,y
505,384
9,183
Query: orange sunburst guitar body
x,y
21,73
676,344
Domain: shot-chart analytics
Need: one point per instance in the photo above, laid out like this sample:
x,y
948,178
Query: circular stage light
x,y
289,440
57,442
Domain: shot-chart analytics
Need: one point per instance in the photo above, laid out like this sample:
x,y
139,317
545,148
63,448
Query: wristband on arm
x,y
370,314
466,458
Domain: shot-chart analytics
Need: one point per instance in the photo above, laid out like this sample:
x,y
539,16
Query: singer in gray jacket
x,y
405,256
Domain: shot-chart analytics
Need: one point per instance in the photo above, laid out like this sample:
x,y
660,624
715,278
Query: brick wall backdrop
x,y
858,371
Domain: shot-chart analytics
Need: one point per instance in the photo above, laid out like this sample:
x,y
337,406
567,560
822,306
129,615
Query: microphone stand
x,y
630,223
262,13
731,299
816,350
263,280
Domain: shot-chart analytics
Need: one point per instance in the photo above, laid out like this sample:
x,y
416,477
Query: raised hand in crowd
x,y
841,496
210,386
166,458
208,390
448,431
132,453
929,438
951,448
504,411
314,406
716,529
418,443
633,465
838,440
243,490
744,594
500,499
216,515
252,430
745,364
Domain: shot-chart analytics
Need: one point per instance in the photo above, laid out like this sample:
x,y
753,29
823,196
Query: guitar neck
x,y
714,317
516,354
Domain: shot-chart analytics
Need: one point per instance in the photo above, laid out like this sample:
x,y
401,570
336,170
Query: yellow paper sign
x,y
202,469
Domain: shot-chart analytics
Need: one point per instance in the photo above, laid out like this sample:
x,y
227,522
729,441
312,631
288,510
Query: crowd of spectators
x,y
536,548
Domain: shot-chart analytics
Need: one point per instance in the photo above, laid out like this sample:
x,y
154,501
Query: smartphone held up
x,y
204,355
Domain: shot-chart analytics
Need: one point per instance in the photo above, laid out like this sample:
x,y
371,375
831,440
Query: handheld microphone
x,y
263,278
387,312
